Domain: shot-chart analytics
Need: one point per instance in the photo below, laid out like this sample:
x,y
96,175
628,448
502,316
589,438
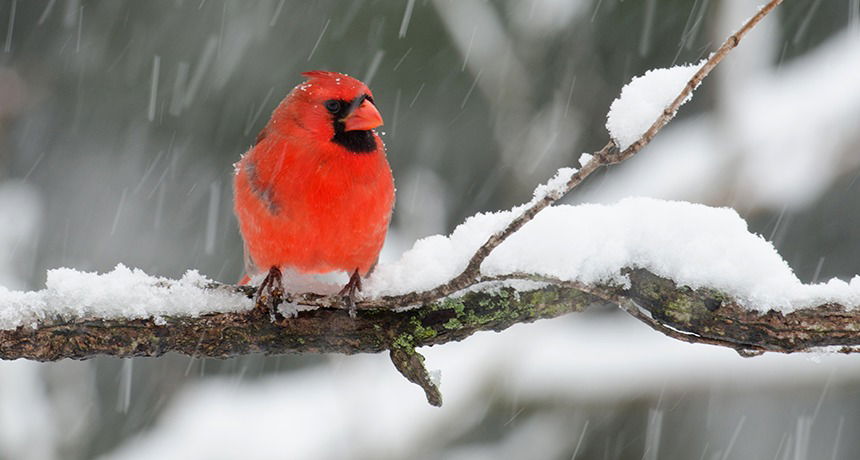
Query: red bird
x,y
315,193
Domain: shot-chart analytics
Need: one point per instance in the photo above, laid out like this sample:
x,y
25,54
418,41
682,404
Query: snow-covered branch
x,y
703,315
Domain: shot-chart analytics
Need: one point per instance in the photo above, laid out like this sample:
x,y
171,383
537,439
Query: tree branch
x,y
692,315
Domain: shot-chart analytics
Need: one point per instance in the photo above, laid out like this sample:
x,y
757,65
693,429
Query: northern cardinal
x,y
315,192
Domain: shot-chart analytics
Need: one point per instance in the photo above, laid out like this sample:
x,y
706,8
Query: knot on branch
x,y
611,154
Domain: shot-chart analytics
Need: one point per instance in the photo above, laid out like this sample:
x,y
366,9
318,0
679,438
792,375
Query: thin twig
x,y
694,82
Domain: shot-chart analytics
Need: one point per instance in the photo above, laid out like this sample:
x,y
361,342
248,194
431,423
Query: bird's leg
x,y
270,294
348,291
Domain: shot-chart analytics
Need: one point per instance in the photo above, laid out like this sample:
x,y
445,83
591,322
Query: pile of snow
x,y
695,245
555,187
643,100
121,293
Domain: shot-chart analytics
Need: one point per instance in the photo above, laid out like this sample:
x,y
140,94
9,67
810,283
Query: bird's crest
x,y
322,74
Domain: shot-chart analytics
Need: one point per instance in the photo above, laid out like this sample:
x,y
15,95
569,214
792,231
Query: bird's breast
x,y
318,211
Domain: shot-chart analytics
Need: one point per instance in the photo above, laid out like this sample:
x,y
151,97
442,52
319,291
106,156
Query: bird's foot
x,y
349,292
270,294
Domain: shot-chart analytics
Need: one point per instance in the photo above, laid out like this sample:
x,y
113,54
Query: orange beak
x,y
363,118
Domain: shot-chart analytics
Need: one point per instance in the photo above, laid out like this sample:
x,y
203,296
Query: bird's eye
x,y
332,105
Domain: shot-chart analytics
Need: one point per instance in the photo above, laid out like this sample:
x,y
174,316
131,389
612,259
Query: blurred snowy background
x,y
120,121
